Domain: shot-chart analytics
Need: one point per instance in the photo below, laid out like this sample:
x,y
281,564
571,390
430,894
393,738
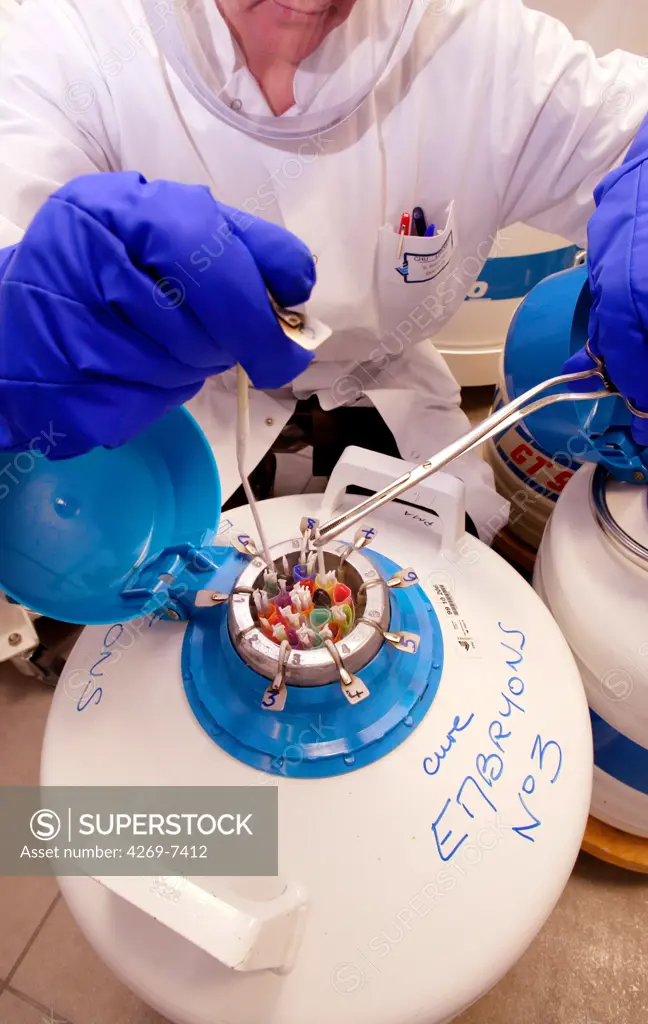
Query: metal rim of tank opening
x,y
315,667
623,542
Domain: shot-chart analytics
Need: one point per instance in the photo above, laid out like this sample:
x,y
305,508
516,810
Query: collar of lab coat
x,y
329,85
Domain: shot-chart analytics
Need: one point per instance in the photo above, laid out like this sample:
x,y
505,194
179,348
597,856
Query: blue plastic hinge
x,y
169,577
622,457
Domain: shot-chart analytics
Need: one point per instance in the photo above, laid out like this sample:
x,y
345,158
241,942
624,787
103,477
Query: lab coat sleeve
x,y
562,119
54,111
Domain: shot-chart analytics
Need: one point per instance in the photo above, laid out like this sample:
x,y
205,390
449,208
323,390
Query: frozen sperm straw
x,y
242,435
321,568
303,547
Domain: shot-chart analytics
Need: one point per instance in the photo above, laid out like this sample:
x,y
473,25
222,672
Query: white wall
x,y
605,24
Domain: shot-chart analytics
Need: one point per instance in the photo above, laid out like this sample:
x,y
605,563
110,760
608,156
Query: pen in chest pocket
x,y
403,230
416,224
420,223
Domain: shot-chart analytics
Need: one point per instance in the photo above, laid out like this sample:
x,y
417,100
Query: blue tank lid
x,y
75,534
551,325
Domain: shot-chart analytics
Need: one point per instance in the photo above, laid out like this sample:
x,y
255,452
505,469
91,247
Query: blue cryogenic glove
x,y
618,260
124,296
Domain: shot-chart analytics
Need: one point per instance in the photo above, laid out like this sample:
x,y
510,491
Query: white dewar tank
x,y
425,832
592,572
522,257
592,565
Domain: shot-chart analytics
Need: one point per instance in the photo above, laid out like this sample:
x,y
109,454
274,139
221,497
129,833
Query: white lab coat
x,y
7,10
493,116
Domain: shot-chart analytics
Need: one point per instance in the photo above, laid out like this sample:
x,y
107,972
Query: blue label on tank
x,y
618,756
513,277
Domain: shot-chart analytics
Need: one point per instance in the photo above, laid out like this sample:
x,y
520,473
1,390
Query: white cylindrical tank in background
x,y
592,572
534,460
471,343
528,477
592,565
597,586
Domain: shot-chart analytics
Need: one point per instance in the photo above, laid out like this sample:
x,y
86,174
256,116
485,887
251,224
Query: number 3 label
x,y
274,700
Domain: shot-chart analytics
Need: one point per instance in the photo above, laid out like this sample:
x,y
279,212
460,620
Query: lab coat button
x,y
236,104
269,421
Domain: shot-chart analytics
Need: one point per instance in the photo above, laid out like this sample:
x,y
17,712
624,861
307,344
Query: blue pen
x,y
431,231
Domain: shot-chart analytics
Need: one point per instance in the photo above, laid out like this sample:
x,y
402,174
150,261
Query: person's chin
x,y
292,38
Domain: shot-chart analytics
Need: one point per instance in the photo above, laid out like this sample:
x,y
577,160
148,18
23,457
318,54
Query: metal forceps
x,y
501,420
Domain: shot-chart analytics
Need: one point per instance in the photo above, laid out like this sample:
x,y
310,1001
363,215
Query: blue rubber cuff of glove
x,y
618,256
5,259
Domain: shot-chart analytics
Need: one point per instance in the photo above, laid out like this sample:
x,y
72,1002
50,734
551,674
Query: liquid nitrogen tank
x,y
592,566
529,476
432,755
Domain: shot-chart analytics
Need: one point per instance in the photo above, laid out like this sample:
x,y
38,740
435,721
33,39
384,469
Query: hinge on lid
x,y
619,453
168,578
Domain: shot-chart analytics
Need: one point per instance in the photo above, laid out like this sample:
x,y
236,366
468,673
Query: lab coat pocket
x,y
418,274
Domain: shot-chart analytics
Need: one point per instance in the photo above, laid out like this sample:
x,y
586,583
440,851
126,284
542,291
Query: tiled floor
x,y
588,966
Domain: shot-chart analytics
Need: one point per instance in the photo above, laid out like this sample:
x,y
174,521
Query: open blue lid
x,y
75,533
551,325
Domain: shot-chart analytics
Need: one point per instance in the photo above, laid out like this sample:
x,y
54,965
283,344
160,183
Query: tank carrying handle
x,y
445,495
243,934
